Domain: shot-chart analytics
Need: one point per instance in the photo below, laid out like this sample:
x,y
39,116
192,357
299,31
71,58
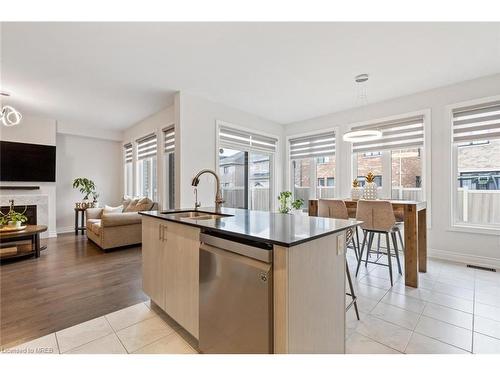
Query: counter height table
x,y
414,215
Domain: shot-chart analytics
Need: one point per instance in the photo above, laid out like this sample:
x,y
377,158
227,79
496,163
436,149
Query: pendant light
x,y
362,135
9,115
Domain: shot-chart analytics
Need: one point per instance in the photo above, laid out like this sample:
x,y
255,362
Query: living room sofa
x,y
118,227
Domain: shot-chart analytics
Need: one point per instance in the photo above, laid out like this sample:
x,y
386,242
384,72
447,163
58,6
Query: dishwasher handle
x,y
238,248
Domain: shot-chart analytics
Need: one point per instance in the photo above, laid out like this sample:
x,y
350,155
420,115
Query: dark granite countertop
x,y
279,229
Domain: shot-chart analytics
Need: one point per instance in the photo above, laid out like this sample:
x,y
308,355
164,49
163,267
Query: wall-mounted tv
x,y
27,162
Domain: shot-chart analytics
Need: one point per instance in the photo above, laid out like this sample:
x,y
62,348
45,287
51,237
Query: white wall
x,y
36,130
483,249
196,141
97,159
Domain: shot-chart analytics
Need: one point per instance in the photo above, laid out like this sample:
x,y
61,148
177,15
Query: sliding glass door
x,y
245,178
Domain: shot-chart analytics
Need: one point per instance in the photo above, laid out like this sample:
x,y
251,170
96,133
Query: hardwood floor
x,y
73,281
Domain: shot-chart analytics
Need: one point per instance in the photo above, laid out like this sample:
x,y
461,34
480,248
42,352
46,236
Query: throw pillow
x,y
144,204
126,201
109,209
131,206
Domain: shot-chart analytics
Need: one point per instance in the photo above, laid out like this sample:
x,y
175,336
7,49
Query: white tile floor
x,y
134,330
455,310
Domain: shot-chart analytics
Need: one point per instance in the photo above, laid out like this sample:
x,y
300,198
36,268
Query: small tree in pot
x,y
85,186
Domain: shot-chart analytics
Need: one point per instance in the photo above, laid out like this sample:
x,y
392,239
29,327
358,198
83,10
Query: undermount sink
x,y
196,215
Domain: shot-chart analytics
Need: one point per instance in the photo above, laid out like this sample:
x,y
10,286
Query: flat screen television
x,y
27,162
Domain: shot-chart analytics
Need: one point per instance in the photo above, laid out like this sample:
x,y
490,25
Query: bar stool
x,y
378,217
336,209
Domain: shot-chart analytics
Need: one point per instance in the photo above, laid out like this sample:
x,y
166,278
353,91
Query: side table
x,y
79,220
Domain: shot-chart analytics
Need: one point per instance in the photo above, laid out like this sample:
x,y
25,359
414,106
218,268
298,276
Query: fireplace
x,y
30,212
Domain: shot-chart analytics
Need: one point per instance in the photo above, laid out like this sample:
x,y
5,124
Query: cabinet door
x,y
182,275
153,260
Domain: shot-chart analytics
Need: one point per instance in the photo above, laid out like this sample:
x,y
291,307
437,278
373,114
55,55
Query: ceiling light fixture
x,y
10,116
362,135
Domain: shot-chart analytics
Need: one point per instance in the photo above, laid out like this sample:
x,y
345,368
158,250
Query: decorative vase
x,y
356,193
15,224
370,191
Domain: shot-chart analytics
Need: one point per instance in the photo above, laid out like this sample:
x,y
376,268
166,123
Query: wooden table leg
x,y
37,245
422,240
411,246
83,223
76,223
313,207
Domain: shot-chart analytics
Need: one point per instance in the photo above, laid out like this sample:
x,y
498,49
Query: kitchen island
x,y
184,273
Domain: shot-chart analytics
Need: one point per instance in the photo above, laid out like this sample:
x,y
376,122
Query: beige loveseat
x,y
114,229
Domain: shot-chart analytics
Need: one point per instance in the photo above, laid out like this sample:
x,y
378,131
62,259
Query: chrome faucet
x,y
218,193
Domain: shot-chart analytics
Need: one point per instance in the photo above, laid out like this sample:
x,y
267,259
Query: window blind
x,y
146,147
398,134
475,123
313,146
128,153
169,140
230,137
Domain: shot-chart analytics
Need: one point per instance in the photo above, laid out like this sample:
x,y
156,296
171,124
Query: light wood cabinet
x,y
170,254
153,260
182,260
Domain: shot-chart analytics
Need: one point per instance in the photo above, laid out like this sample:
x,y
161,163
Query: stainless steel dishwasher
x,y
236,292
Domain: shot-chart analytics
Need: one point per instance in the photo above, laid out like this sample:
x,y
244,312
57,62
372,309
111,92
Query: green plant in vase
x,y
284,201
85,186
286,204
297,204
13,218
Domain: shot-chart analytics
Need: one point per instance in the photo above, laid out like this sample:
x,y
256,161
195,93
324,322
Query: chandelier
x,y
10,116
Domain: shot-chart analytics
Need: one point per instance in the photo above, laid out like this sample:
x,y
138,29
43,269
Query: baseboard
x,y
65,229
464,258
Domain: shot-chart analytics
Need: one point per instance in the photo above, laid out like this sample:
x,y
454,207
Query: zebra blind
x,y
128,153
313,146
235,138
475,123
146,147
169,140
398,134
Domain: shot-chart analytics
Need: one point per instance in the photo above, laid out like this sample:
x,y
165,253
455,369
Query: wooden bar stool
x,y
378,217
336,209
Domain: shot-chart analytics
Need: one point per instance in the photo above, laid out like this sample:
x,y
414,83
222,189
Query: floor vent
x,y
481,268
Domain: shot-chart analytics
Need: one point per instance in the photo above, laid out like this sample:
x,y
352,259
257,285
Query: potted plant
x,y
370,189
286,204
13,219
297,205
356,191
86,187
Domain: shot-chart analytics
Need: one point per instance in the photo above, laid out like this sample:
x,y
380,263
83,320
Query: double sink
x,y
195,215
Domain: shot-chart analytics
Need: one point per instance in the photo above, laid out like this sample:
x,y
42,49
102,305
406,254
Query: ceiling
x,y
111,75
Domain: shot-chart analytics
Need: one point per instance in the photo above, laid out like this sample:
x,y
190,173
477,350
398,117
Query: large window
x,y
312,166
169,167
146,167
395,159
128,170
246,168
476,151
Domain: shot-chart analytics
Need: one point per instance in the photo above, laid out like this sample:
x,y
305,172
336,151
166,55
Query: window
x,y
312,158
146,167
395,159
128,170
169,167
245,167
476,154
